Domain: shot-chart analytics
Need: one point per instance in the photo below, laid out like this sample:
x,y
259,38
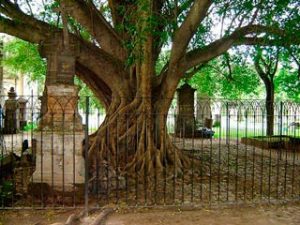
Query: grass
x,y
234,133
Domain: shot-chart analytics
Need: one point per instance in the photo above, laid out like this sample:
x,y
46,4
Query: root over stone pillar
x,y
59,161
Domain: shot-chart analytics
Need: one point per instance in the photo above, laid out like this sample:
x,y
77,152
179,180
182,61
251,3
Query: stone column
x,y
11,121
185,120
59,161
203,110
22,112
204,116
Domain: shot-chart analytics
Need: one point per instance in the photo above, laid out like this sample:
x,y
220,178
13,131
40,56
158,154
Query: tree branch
x,y
181,40
98,87
188,28
238,37
107,68
21,30
89,16
14,12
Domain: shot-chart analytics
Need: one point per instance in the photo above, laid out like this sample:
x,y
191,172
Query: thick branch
x,y
188,28
15,13
117,10
90,56
21,30
89,16
263,75
220,46
181,40
199,56
268,42
98,87
106,67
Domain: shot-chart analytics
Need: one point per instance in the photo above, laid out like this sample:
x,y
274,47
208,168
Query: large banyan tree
x,y
121,44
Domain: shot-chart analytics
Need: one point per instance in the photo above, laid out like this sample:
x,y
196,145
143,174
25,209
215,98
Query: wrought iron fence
x,y
46,162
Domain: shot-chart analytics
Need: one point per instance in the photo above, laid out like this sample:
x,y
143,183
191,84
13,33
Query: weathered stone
x,y
22,177
60,109
22,112
11,122
185,121
60,60
59,161
203,110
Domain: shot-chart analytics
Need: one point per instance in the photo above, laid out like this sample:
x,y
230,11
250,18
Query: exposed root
x,y
127,141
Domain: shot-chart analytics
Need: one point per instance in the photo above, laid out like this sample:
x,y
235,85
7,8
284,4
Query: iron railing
x,y
49,165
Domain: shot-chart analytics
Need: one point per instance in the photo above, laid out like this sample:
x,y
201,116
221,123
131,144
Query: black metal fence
x,y
46,162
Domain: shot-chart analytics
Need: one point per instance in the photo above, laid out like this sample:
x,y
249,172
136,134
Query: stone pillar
x,y
59,161
204,111
185,120
11,105
22,112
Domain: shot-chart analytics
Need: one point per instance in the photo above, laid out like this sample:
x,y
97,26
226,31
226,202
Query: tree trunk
x,y
134,140
270,107
1,68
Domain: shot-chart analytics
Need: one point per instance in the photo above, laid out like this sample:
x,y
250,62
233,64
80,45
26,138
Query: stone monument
x,y
59,161
185,120
22,112
11,120
204,114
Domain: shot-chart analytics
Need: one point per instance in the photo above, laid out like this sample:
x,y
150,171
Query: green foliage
x,y
30,126
83,93
217,124
6,191
214,80
287,84
161,62
23,57
205,82
243,84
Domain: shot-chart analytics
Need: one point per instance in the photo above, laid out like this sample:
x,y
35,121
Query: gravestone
x,y
22,112
59,161
185,119
11,120
204,111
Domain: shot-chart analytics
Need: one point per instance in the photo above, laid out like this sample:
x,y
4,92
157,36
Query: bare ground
x,y
259,215
262,215
34,217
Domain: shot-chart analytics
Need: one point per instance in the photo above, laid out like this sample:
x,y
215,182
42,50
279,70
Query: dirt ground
x,y
258,215
34,217
262,215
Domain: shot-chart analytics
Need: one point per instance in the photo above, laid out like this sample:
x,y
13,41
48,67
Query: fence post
x,y
281,118
86,163
227,123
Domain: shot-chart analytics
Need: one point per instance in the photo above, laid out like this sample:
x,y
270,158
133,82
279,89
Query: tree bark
x,y
136,139
270,107
1,67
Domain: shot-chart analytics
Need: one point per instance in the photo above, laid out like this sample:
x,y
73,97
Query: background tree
x,y
118,59
287,84
218,80
266,64
22,57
